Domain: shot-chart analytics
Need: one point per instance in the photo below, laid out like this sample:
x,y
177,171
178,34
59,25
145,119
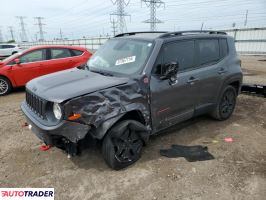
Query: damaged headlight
x,y
57,111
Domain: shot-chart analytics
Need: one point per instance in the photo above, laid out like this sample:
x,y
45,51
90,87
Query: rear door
x,y
174,102
29,67
59,59
211,59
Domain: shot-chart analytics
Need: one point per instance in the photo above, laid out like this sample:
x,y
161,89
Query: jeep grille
x,y
36,104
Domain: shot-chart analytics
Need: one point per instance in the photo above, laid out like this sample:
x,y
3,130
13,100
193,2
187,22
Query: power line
x,y
23,35
11,32
121,14
40,24
153,5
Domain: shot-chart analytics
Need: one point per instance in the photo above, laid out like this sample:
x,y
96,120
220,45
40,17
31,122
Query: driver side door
x,y
29,66
174,101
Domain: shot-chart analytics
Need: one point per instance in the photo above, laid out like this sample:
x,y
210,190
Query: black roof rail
x,y
135,33
179,33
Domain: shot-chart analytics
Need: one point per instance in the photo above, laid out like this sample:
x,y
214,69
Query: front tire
x,y
226,104
122,145
5,86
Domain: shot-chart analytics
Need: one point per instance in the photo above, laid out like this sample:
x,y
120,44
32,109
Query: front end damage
x,y
98,112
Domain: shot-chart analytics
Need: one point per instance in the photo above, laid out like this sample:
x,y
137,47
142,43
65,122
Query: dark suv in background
x,y
135,85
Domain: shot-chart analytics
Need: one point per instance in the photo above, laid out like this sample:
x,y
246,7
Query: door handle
x,y
192,80
222,71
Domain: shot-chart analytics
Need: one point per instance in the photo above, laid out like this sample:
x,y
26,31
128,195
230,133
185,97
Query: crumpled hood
x,y
64,85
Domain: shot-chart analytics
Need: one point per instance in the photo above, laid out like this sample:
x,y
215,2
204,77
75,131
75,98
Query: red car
x,y
17,70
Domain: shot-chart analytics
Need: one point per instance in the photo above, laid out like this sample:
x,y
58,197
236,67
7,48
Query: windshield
x,y
125,57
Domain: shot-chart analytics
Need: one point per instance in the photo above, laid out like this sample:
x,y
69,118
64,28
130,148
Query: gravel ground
x,y
237,172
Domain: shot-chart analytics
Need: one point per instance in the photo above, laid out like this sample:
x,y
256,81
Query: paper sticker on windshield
x,y
126,60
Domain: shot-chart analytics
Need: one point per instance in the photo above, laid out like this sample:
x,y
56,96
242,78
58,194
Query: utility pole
x,y
61,34
11,32
153,5
40,24
246,19
113,26
1,35
121,14
24,37
202,26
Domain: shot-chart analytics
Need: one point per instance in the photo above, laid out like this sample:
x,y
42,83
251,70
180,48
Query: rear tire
x,y
122,145
226,104
5,86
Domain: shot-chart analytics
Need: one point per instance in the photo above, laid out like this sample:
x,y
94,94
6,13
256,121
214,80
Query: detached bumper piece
x,y
255,89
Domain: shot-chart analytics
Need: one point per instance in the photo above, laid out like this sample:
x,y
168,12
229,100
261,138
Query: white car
x,y
9,49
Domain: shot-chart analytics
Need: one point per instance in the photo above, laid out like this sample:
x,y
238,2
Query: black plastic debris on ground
x,y
254,89
190,153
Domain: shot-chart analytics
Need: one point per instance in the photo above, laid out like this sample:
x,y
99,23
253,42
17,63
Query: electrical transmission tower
x,y
11,32
113,26
121,14
153,5
40,24
23,34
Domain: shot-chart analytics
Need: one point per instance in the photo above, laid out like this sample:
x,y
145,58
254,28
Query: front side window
x,y
208,51
181,52
121,56
8,46
60,53
34,56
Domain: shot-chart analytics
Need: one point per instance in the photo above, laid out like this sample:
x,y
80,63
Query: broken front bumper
x,y
72,131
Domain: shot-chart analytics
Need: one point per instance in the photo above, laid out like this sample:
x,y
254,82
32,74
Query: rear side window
x,y
60,53
181,52
76,52
34,56
208,51
223,48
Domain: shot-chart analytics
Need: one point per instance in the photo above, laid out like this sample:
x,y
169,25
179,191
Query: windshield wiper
x,y
102,72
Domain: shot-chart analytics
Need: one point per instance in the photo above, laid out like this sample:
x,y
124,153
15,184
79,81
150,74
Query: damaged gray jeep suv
x,y
135,85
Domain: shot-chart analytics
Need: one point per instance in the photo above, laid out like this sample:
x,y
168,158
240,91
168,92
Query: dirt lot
x,y
254,68
237,172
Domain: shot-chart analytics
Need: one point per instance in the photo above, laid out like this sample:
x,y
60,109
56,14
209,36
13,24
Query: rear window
x,y
208,51
60,53
76,52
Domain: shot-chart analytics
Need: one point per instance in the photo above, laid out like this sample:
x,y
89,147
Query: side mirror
x,y
169,71
17,61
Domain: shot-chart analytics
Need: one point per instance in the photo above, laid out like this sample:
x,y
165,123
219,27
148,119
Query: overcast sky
x,y
78,18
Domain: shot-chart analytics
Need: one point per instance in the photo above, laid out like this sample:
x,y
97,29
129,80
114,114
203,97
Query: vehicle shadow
x,y
184,133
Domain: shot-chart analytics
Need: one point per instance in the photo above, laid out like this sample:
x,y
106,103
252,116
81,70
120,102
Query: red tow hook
x,y
45,147
25,125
